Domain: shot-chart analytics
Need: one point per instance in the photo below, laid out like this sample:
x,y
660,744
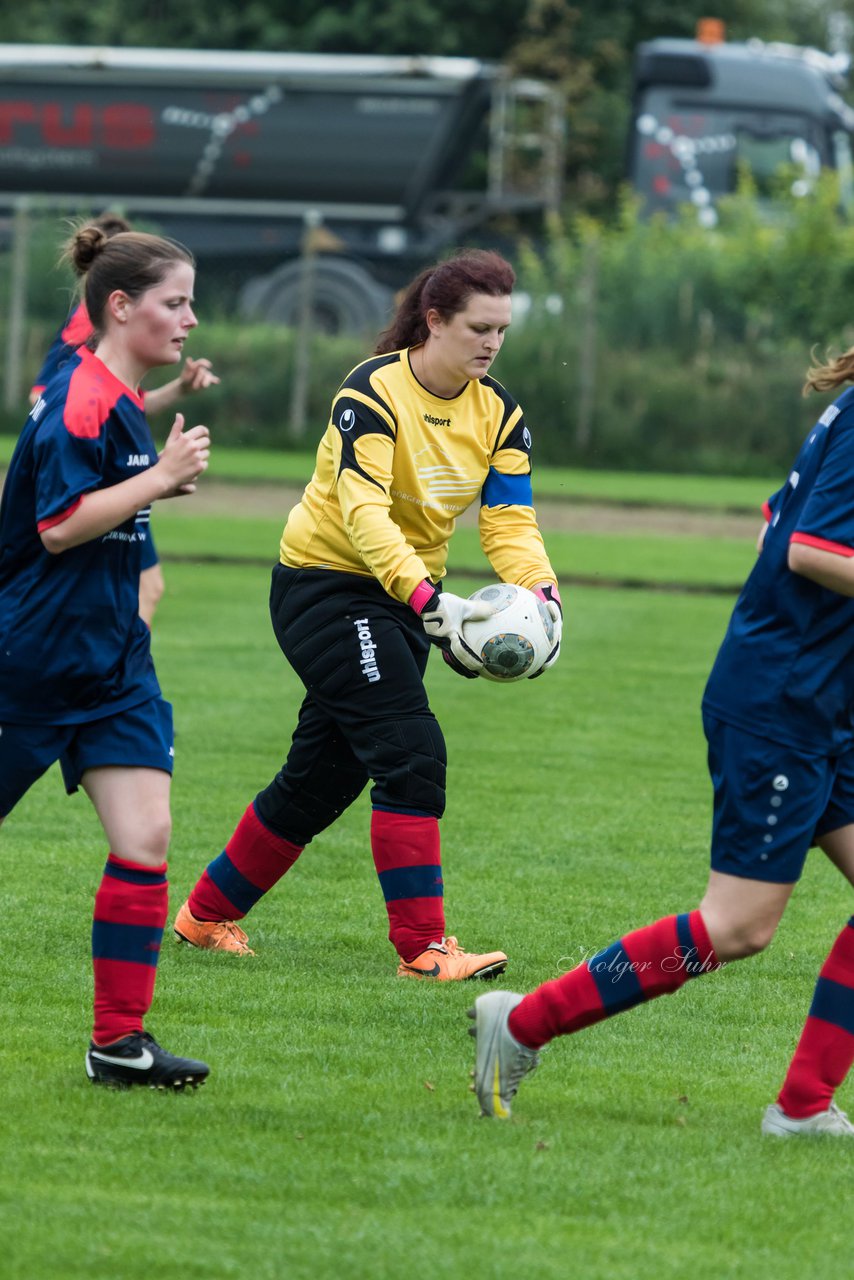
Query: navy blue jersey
x,y
72,645
785,670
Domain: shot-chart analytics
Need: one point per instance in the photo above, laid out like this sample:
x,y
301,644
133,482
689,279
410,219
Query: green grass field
x,y
337,1136
641,489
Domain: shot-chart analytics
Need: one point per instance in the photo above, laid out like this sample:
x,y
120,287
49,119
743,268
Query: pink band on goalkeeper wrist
x,y
540,590
420,596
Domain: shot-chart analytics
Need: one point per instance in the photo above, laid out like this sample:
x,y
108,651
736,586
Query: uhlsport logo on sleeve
x,y
367,661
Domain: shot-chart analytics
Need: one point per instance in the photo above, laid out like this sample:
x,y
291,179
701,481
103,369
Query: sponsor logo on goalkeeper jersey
x,y
368,663
443,477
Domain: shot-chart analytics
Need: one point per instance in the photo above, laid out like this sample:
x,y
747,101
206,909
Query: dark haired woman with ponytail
x,y
77,683
417,434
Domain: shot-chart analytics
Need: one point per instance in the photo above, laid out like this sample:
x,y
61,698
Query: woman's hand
x,y
184,457
197,375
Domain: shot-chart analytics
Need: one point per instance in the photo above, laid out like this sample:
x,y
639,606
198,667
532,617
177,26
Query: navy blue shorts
x,y
140,737
772,803
149,552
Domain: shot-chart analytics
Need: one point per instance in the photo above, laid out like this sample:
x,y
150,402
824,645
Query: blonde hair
x,y
825,377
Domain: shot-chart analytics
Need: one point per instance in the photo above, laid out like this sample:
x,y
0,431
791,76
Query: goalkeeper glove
x,y
443,615
451,661
550,596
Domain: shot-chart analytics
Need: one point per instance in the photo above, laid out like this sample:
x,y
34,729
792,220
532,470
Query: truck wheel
x,y
345,298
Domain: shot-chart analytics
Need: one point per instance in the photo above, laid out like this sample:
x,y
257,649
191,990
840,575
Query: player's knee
x,y
738,939
156,836
409,764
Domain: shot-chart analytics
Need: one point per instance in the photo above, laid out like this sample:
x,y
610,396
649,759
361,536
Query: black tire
x,y
345,298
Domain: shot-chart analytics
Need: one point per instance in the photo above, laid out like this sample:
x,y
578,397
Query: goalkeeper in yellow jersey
x,y
417,433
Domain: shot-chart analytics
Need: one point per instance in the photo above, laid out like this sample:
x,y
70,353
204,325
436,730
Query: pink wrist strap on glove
x,y
423,594
550,596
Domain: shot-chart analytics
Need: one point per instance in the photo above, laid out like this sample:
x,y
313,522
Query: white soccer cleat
x,y
832,1122
501,1061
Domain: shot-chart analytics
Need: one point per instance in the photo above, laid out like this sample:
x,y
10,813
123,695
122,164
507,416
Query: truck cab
x,y
703,111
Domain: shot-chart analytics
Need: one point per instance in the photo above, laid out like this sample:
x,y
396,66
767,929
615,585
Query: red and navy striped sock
x,y
826,1048
127,929
409,864
647,963
254,859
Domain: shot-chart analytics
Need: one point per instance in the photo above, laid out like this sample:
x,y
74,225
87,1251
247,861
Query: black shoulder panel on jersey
x,y
359,379
519,437
508,403
354,419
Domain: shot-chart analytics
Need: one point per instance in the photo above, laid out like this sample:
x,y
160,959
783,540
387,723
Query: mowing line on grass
x,y
575,580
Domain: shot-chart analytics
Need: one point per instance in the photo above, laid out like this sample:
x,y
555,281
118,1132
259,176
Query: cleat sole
x,y
490,972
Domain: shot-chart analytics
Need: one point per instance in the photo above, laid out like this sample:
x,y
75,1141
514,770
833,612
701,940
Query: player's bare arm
x,y
184,458
828,568
195,375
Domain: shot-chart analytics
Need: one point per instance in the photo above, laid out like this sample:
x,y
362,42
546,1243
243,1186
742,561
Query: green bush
x,y
256,365
646,344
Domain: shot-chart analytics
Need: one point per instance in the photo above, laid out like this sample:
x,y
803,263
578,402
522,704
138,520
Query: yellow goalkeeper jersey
x,y
395,468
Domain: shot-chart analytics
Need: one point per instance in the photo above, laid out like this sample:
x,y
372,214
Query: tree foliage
x,y
585,46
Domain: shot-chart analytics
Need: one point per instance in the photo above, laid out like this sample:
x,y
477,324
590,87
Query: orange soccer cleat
x,y
211,935
446,961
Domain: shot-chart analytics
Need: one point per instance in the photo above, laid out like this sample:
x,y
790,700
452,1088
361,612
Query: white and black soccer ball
x,y
517,639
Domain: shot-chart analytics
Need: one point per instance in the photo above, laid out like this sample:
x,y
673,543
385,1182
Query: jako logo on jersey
x,y
138,460
347,421
366,641
436,422
781,782
526,436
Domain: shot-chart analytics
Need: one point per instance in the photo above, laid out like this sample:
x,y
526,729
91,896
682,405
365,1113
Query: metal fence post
x,y
305,327
587,347
19,272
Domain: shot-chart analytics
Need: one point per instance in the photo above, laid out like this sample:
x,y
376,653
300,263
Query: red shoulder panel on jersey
x,y
78,328
93,392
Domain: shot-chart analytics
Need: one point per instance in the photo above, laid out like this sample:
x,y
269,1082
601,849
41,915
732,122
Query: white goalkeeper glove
x,y
550,596
443,615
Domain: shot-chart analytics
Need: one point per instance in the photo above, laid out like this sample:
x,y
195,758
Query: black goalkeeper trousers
x,y
361,656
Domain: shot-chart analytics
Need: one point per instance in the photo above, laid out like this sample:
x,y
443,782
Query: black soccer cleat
x,y
138,1059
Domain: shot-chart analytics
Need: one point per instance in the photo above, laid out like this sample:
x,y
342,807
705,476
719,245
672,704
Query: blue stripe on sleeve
x,y
501,491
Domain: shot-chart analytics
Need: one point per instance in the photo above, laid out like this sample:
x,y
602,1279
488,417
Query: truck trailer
x,y
380,163
701,110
